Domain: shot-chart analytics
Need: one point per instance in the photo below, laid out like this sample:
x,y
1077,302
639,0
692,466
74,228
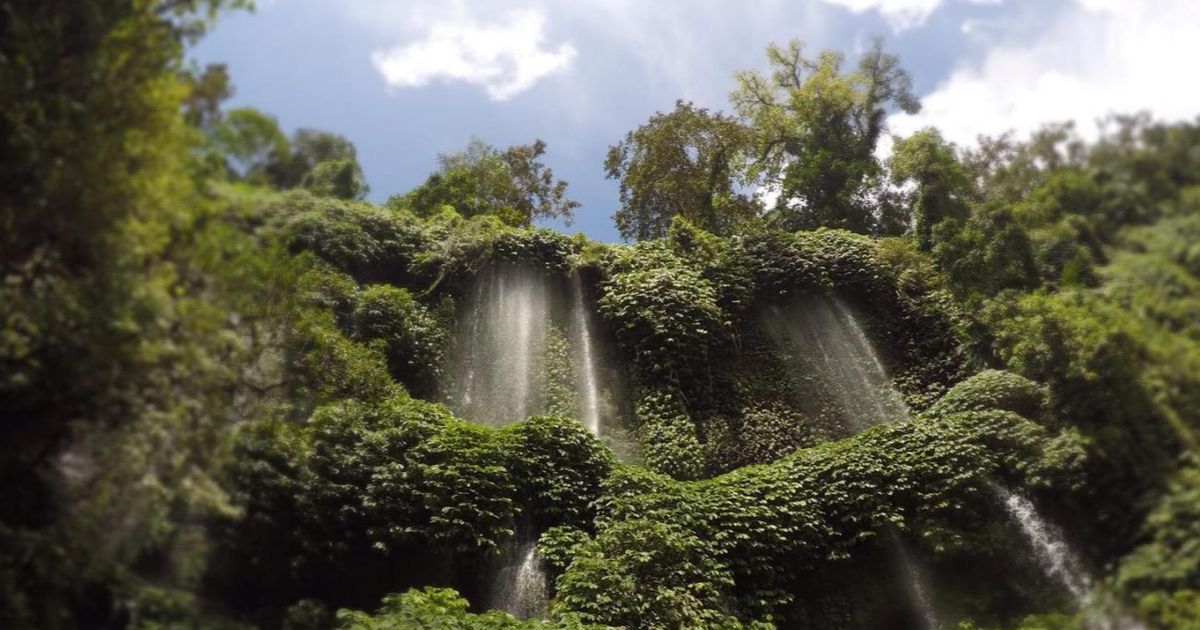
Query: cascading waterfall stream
x,y
1051,551
834,345
831,342
520,587
498,371
590,396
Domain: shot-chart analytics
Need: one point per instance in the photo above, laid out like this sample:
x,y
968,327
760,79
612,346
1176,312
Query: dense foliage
x,y
225,374
681,164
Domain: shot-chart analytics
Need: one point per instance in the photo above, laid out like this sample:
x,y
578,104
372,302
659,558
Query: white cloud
x,y
505,57
1093,58
902,14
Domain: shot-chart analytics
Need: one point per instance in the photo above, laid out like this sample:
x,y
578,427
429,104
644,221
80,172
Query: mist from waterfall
x,y
499,368
520,586
918,590
589,395
824,337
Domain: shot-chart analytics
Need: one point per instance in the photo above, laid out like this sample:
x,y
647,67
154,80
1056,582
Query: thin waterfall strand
x,y
917,589
590,399
476,315
520,588
1050,549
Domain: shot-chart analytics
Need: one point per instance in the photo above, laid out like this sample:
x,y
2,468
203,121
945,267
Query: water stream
x,y
499,374
825,336
1050,549
520,587
589,398
498,370
1058,561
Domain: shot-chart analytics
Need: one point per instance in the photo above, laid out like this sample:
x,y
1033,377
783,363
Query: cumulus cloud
x,y
1093,58
901,14
505,57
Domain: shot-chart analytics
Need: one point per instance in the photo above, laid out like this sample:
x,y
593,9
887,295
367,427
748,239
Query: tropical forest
x,y
815,385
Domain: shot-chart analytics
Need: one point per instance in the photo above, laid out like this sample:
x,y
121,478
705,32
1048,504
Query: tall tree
x,y
308,148
75,79
104,345
254,149
206,91
940,185
815,130
251,143
683,163
341,179
512,184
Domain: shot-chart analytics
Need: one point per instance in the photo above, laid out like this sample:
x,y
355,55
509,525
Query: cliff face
x,y
783,428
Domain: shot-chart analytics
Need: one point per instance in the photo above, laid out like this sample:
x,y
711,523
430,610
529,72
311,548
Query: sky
x,y
407,80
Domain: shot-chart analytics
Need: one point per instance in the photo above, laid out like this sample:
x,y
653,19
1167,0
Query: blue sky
x,y
407,80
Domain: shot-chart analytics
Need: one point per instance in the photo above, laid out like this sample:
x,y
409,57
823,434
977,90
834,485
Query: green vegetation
x,y
511,184
224,384
681,164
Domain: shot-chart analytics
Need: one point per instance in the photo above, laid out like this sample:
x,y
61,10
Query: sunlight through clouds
x,y
900,14
505,57
1094,58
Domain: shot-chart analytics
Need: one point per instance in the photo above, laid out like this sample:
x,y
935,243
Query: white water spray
x,y
500,366
829,340
520,587
590,396
917,589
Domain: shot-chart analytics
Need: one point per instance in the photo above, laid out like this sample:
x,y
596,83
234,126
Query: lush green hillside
x,y
954,388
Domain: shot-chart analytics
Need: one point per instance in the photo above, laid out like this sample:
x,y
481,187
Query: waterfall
x,y
520,587
1051,551
830,342
827,340
824,336
499,369
1058,561
590,397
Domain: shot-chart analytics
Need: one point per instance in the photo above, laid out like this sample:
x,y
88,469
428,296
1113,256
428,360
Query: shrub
x,y
559,466
323,365
667,435
995,389
411,338
369,243
666,316
441,608
750,533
